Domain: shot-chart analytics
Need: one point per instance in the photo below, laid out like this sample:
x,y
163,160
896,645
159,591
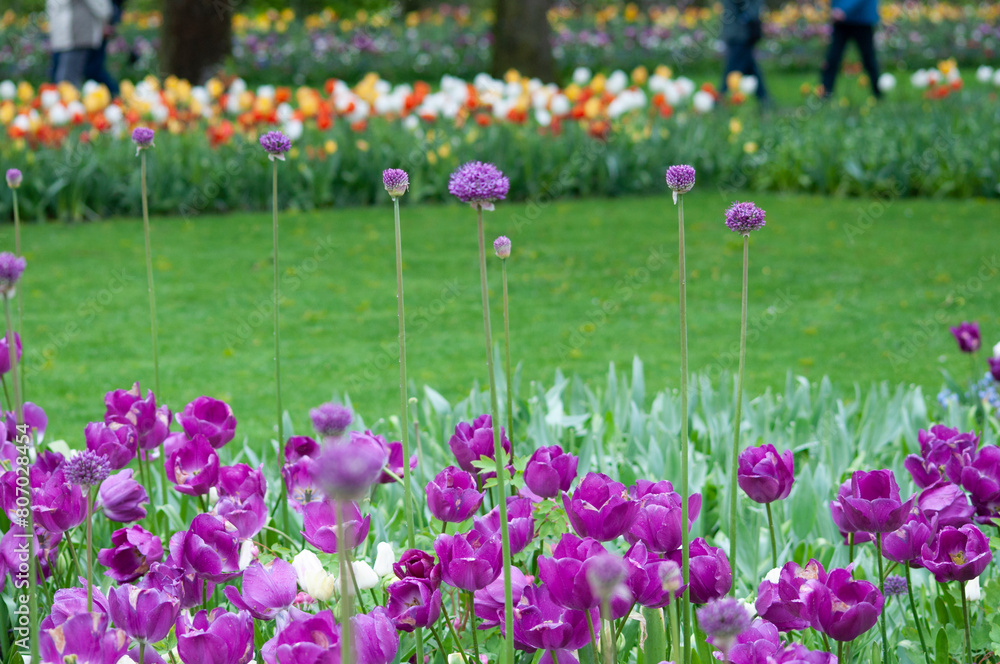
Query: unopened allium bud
x,y
143,139
13,178
605,574
671,577
11,269
502,246
723,620
331,419
396,181
275,144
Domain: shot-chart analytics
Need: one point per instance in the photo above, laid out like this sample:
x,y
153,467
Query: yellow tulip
x,y
330,146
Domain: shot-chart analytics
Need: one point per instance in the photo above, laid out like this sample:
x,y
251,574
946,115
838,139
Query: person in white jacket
x,y
75,28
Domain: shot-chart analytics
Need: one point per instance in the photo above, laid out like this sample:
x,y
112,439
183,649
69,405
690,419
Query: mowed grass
x,y
860,290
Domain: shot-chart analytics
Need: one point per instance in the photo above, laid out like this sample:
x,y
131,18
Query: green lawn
x,y
832,292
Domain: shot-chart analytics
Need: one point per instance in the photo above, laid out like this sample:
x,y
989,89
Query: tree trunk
x,y
196,37
522,39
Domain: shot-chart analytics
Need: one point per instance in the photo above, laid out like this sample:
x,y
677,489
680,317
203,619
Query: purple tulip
x,y
189,589
945,504
59,506
452,496
146,614
469,561
489,601
320,523
117,442
241,482
957,554
151,424
783,603
944,452
394,463
12,547
218,637
658,521
84,638
132,551
708,570
840,520
874,505
520,523
550,471
843,608
375,638
306,639
193,466
207,549
981,478
298,447
542,623
210,418
415,603
418,564
346,469
764,475
267,589
904,545
967,336
565,572
5,352
757,645
648,578
69,602
472,442
301,483
248,517
994,364
796,653
600,508
121,498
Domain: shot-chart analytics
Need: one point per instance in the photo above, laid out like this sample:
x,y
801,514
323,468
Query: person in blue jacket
x,y
853,20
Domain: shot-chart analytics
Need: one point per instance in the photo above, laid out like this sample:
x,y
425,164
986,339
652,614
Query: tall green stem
x,y
472,624
685,490
675,639
149,276
608,633
90,549
916,617
498,452
774,544
277,345
20,300
403,405
738,418
965,616
506,343
881,585
346,588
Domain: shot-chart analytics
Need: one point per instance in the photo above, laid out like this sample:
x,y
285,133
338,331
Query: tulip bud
x,y
364,575
312,577
385,558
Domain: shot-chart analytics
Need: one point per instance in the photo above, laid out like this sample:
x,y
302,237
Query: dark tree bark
x,y
522,39
197,36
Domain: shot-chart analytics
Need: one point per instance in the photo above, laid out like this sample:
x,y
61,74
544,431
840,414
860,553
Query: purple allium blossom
x,y
143,139
967,336
743,218
723,620
895,585
396,181
13,178
275,144
331,419
680,179
479,184
11,269
501,246
87,469
606,574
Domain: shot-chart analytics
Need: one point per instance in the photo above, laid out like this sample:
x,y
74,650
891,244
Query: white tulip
x,y
919,79
887,82
543,117
773,575
364,575
293,129
50,98
984,74
973,592
8,89
312,578
748,85
581,75
617,82
384,559
560,105
703,101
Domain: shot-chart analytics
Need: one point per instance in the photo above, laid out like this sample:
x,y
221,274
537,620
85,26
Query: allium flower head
x,y
605,574
680,179
13,178
723,620
396,181
479,184
895,585
87,469
143,139
331,419
743,218
11,269
275,144
501,245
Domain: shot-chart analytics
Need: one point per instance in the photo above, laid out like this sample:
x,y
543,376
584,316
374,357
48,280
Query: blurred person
x,y
853,20
96,69
76,27
741,30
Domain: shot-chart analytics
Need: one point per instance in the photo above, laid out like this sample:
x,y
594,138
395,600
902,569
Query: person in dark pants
x,y
853,20
741,30
95,69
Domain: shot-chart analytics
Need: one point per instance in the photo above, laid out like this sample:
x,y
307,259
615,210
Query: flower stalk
x,y
149,274
738,422
506,343
346,588
685,489
277,337
916,617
